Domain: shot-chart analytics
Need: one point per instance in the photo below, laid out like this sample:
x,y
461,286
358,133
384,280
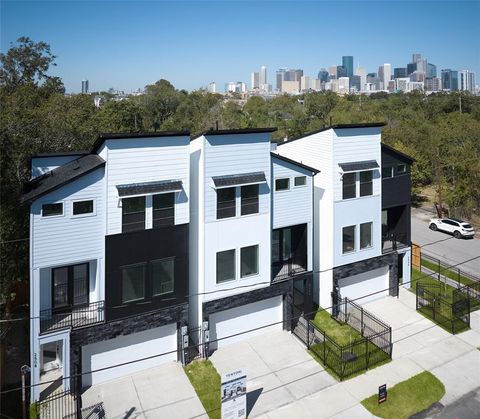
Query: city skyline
x,y
165,42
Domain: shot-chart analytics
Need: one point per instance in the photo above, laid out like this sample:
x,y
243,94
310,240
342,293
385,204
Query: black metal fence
x,y
472,292
285,270
442,268
451,314
372,345
78,316
391,242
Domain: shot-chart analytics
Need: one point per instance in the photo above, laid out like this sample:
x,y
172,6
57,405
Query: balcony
x,y
73,318
285,270
392,242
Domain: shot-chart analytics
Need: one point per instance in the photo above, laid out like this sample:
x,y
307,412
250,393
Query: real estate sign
x,y
382,393
234,395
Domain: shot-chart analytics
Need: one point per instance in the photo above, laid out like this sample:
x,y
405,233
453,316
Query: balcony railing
x,y
286,269
75,317
392,242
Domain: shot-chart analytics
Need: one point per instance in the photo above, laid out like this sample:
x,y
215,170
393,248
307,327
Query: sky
x,y
129,44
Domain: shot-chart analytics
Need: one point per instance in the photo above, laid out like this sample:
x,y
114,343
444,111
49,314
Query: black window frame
x,y
168,211
152,278
52,204
370,224
280,179
234,266
134,265
301,185
366,187
83,214
257,247
226,208
401,172
141,222
348,188
249,204
70,287
352,250
384,172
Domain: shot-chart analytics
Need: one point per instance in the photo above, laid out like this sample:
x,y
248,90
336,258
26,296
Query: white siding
x,y
356,286
141,160
65,239
41,165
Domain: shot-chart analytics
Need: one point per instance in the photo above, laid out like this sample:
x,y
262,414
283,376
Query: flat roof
x,y
294,162
235,131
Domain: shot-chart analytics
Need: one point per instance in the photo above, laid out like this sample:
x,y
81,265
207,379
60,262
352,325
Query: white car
x,y
453,226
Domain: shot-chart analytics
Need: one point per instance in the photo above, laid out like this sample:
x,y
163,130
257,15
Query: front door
x,y
70,286
400,267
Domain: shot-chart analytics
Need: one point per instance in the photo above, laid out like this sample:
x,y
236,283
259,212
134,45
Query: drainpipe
x,y
25,369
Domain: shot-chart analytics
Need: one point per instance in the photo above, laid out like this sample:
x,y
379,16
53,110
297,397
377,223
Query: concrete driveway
x,y
279,370
160,392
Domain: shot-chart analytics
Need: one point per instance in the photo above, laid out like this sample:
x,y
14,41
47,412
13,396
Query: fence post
x,y
77,395
308,333
324,349
361,310
366,353
458,276
438,269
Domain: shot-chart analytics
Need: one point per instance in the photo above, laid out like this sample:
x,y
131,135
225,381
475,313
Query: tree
x,y
319,105
119,116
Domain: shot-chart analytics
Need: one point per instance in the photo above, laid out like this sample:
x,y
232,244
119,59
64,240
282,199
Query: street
x,y
443,246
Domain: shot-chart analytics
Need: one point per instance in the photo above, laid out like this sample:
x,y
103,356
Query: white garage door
x,y
240,319
128,348
365,283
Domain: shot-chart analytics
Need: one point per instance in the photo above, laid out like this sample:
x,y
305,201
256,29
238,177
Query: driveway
x,y
279,370
446,247
163,391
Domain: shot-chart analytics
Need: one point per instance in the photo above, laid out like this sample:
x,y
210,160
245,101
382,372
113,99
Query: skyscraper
x,y
304,83
355,83
255,80
431,70
385,74
399,72
347,64
85,86
449,80
341,71
323,75
466,81
212,87
263,75
281,77
361,72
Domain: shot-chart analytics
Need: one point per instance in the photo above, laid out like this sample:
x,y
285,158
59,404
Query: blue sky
x,y
128,44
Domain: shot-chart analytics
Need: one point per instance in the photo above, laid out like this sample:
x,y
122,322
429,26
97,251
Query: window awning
x,y
244,179
359,165
149,187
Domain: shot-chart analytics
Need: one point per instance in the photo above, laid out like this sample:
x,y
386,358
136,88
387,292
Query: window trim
x,y
88,214
70,285
401,172
300,177
235,276
153,209
235,199
258,261
354,240
359,179
282,190
145,222
357,188
257,203
391,172
56,215
145,274
360,236
172,258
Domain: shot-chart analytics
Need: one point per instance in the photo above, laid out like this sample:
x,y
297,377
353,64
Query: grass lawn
x,y
408,397
447,272
330,355
206,382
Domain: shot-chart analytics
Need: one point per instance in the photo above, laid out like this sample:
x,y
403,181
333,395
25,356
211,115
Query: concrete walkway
x,y
418,345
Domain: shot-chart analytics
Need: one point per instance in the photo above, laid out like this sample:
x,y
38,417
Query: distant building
x,y
341,71
255,80
236,87
323,75
416,57
85,86
347,64
280,77
290,86
293,75
356,83
304,83
399,72
450,80
361,72
373,79
431,70
263,75
404,84
466,81
265,87
411,67
332,71
212,87
97,101
433,84
317,85
344,84
384,74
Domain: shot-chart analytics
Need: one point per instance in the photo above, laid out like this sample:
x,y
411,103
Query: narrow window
x,y
49,210
60,287
83,207
225,266
163,210
365,235
249,199
248,261
348,239
401,168
80,284
387,172
300,181
226,203
349,185
133,214
163,276
366,183
133,283
282,184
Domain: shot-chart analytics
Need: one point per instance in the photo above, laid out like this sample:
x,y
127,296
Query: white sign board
x,y
234,395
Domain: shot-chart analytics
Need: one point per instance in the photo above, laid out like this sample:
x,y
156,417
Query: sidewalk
x,y
419,345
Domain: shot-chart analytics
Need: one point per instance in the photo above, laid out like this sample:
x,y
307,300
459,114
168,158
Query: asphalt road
x,y
443,246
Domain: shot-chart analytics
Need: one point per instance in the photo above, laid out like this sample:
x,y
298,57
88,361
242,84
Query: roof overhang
x,y
146,188
358,166
244,179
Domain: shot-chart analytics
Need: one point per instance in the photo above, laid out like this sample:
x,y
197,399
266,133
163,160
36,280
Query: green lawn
x,y
206,382
408,397
342,334
446,290
447,272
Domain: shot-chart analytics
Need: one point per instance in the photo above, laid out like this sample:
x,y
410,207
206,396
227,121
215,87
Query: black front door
x,y
400,267
69,286
289,250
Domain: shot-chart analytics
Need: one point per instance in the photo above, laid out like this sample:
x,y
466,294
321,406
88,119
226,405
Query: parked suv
x,y
456,227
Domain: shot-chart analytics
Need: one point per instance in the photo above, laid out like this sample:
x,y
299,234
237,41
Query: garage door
x,y
365,283
128,348
240,319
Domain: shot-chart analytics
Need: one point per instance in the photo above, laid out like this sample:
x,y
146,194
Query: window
x,y
49,210
226,203
249,199
163,210
133,214
133,283
70,285
300,181
282,184
348,239
60,287
162,276
365,235
349,185
83,207
366,183
401,168
248,261
387,172
225,266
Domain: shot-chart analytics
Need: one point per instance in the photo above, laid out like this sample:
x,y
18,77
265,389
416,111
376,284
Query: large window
x,y
282,184
82,207
349,185
365,235
133,214
348,241
248,261
133,283
300,180
366,183
70,285
249,198
163,210
401,168
50,210
163,276
387,172
226,207
225,266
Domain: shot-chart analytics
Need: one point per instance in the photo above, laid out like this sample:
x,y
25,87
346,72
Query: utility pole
x,y
460,102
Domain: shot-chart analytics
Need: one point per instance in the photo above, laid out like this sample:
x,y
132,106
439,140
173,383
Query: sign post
x,y
382,393
234,395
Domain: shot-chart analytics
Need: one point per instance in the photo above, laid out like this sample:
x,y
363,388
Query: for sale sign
x,y
382,393
234,395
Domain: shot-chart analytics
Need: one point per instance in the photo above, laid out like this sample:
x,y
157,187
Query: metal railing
x,y
286,269
75,317
391,242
